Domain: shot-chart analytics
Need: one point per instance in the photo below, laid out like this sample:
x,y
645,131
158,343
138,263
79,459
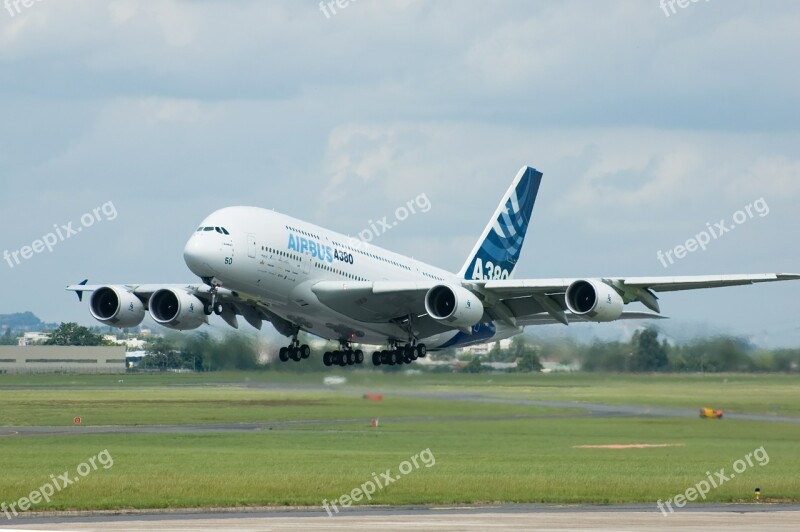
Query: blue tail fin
x,y
499,247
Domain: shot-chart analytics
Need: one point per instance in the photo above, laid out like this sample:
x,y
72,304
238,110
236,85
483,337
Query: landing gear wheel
x,y
422,350
341,358
359,356
351,359
305,351
327,358
376,358
410,354
283,354
218,309
294,353
208,309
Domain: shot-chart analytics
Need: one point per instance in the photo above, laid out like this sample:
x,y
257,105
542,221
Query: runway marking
x,y
630,446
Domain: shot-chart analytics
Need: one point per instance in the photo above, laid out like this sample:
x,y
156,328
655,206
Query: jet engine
x,y
116,306
594,300
176,309
453,305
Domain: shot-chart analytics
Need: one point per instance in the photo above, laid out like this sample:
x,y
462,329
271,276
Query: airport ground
x,y
255,440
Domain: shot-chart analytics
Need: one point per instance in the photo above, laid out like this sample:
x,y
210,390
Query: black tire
x,y
305,351
207,310
351,358
376,358
384,357
422,350
327,358
218,309
283,354
411,353
294,353
342,358
359,356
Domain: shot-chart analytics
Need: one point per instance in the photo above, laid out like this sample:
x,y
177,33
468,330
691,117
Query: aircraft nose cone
x,y
197,254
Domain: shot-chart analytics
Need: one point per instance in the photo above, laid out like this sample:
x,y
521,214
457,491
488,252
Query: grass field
x,y
477,459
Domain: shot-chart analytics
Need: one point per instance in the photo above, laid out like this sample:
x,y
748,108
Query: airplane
x,y
267,266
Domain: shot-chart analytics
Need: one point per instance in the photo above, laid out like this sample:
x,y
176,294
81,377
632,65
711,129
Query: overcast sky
x,y
647,124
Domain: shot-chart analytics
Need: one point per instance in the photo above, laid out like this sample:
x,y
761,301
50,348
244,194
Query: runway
x,y
582,410
490,517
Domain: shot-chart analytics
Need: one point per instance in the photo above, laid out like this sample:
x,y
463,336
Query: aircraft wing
x,y
518,302
234,304
512,288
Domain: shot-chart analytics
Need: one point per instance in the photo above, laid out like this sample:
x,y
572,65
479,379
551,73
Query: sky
x,y
134,120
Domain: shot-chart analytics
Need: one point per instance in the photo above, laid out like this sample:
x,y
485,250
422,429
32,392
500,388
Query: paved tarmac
x,y
727,518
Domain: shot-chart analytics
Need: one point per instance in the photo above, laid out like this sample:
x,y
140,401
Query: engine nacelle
x,y
453,305
594,300
176,309
116,306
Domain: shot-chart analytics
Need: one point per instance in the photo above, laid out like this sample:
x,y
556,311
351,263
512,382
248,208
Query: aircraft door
x,y
251,246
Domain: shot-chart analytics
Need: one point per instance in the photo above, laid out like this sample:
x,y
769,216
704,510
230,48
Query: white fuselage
x,y
275,259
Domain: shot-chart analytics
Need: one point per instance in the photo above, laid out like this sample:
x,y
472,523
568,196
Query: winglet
x,y
79,293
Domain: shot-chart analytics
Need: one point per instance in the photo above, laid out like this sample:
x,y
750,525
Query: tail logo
x,y
500,249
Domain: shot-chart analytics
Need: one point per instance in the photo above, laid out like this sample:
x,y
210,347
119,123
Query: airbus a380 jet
x,y
263,265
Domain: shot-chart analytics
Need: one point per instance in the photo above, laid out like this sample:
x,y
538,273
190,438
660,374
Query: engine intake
x,y
594,300
116,306
453,305
176,309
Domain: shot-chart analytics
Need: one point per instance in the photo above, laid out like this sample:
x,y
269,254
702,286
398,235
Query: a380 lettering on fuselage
x,y
316,249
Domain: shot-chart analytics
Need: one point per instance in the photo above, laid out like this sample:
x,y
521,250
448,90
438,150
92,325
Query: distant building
x,y
130,343
33,338
62,359
483,349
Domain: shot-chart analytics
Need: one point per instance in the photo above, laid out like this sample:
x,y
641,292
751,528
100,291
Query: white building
x,y
33,338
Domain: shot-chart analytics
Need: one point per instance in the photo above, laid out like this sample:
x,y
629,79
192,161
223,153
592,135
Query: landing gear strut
x,y
344,356
215,306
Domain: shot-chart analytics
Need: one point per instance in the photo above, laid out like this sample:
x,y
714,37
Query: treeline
x,y
201,352
646,353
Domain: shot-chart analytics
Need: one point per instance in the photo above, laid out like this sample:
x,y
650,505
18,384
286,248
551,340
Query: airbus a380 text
x,y
266,266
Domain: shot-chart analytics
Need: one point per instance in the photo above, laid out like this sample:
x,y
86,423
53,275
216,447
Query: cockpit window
x,y
220,230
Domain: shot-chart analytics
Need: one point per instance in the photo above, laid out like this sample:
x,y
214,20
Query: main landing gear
x,y
399,354
345,356
294,350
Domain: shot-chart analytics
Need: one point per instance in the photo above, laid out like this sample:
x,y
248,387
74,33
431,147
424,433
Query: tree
x,y
526,356
74,334
529,361
648,353
8,338
474,366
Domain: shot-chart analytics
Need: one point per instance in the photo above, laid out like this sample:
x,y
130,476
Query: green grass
x,y
477,459
486,461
